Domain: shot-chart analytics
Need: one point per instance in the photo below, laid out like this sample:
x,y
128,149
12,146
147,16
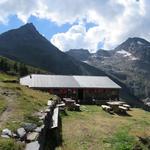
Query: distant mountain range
x,y
28,46
128,63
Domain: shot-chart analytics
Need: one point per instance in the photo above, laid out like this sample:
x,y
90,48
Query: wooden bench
x,y
127,106
122,109
55,118
77,107
106,108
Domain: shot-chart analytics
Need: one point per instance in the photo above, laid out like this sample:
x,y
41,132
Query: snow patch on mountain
x,y
140,43
85,61
127,54
124,53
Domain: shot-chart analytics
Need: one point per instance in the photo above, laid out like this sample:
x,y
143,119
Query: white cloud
x,y
77,37
115,20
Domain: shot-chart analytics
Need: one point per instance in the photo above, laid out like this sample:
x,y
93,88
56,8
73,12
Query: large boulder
x,y
29,127
5,136
39,129
33,136
21,132
7,132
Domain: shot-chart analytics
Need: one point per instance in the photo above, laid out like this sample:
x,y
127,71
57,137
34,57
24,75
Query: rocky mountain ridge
x,y
129,62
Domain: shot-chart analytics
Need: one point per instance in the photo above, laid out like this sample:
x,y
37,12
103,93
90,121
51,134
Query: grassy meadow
x,y
95,129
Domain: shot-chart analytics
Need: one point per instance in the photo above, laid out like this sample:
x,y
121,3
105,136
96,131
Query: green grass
x,y
10,144
25,102
3,104
93,128
22,103
122,140
4,77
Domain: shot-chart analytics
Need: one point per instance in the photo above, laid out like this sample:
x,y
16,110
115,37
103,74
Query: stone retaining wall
x,y
41,143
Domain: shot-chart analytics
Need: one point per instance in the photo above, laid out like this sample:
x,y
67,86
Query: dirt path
x,y
10,96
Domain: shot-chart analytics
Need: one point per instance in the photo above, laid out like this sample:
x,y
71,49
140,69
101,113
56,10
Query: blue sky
x,y
88,24
45,27
13,23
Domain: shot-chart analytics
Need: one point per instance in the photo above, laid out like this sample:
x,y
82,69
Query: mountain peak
x,y
137,39
28,26
132,44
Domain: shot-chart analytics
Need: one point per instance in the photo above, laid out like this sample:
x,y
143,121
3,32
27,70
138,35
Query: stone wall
x,y
46,131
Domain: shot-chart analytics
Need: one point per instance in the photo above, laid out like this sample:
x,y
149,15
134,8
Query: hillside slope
x,y
18,105
16,68
27,45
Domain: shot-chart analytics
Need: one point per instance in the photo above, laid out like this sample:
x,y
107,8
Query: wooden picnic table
x,y
67,99
127,106
71,104
115,105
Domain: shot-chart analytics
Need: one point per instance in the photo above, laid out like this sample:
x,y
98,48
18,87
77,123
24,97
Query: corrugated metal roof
x,y
61,81
96,81
53,81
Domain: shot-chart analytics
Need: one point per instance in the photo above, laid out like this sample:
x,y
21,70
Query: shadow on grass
x,y
123,114
111,112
